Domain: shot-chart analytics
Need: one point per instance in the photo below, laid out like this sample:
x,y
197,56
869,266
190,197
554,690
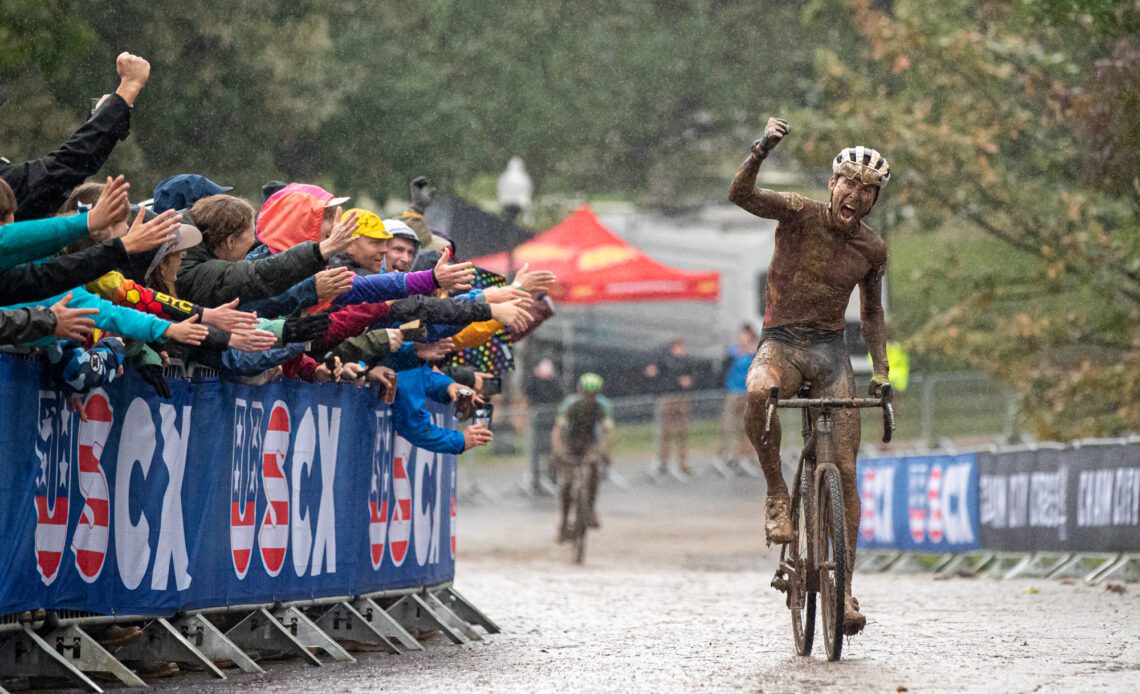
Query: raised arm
x,y
41,185
743,192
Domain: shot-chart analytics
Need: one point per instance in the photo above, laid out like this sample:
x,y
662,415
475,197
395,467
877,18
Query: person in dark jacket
x,y
41,185
676,372
216,271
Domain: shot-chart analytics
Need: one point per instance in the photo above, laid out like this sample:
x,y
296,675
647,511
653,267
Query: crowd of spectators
x,y
302,286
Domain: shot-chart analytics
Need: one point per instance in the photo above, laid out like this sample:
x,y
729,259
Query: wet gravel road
x,y
674,596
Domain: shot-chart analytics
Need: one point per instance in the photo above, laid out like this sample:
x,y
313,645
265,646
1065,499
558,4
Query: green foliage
x,y
1014,129
647,96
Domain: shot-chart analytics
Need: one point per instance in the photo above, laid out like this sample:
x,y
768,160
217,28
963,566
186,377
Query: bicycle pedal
x,y
780,583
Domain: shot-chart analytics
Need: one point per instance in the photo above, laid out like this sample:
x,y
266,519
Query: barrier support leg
x,y
876,560
309,634
1005,563
26,654
1085,565
1040,565
344,623
1126,568
463,609
261,631
386,624
413,613
162,642
211,642
450,618
87,654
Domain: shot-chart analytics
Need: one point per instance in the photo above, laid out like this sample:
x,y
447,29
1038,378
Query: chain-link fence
x,y
702,429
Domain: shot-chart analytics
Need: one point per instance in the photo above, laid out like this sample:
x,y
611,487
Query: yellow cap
x,y
370,224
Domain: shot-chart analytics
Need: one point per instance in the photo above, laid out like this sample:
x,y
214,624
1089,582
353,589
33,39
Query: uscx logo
x,y
260,458
94,530
274,534
378,493
400,530
56,434
243,492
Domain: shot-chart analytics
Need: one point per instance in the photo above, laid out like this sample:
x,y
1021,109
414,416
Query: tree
x,y
1003,117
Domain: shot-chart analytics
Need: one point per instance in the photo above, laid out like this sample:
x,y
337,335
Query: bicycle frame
x,y
803,561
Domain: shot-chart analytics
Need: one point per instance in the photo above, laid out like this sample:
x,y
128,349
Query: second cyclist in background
x,y
582,435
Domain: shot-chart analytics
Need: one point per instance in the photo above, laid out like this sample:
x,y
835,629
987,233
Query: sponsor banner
x,y
1079,498
919,503
224,495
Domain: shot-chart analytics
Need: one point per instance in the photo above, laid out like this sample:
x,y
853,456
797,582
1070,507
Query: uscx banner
x,y
224,495
919,503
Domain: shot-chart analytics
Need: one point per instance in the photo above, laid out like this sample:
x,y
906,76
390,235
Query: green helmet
x,y
590,383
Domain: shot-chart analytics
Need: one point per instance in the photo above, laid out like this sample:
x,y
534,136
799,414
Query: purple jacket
x,y
387,286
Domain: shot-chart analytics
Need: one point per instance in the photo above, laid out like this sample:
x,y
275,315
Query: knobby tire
x,y
831,558
581,510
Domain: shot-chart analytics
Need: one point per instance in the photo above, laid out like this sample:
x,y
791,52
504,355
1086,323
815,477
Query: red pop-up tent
x,y
596,266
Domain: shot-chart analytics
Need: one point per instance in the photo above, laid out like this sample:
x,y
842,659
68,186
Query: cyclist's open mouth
x,y
846,212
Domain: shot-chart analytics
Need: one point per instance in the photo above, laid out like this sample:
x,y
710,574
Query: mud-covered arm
x,y
759,201
744,193
871,313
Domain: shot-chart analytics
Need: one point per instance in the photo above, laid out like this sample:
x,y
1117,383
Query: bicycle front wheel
x,y
581,510
831,558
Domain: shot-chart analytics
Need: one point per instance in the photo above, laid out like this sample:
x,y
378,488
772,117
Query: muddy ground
x,y
674,596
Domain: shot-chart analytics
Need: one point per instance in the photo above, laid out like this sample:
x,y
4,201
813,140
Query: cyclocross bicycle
x,y
815,561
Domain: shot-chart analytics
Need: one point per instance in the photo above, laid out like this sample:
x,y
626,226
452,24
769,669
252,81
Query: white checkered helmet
x,y
864,164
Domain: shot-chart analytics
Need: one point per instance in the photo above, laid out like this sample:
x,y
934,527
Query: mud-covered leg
x,y
770,369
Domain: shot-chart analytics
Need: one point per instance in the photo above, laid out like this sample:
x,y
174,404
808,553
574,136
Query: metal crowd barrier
x,y
64,644
1046,510
45,644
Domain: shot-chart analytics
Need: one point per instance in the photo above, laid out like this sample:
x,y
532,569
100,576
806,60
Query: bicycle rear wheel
x,y
581,510
801,599
831,558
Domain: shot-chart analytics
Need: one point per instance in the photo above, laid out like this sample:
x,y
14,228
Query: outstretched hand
x,y
512,315
72,323
434,351
341,235
188,332
111,207
476,435
227,317
535,281
146,236
453,276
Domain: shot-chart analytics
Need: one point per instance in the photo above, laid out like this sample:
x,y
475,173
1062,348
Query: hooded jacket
x,y
42,185
290,217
